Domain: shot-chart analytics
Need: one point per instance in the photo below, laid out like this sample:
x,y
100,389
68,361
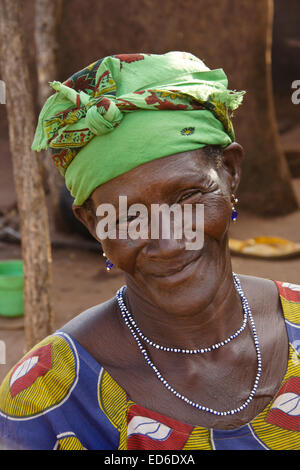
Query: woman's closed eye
x,y
198,192
190,195
195,194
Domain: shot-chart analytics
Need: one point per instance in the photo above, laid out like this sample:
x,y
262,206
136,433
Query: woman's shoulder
x,y
261,292
279,301
99,331
92,320
275,288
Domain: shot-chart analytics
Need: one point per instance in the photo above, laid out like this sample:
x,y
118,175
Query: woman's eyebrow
x,y
173,184
191,178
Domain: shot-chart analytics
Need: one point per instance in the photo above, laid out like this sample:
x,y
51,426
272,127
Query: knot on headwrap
x,y
84,114
101,114
103,117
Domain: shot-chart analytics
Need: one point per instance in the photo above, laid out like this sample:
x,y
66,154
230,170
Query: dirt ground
x,y
80,279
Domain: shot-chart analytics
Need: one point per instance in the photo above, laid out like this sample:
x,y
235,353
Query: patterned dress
x,y
59,397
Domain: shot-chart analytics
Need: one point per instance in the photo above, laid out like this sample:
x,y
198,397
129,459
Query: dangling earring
x,y
108,263
234,212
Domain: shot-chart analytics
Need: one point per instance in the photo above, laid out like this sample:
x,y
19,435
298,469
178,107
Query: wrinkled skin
x,y
185,298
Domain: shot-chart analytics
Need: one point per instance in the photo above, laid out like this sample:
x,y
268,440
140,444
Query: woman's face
x,y
170,275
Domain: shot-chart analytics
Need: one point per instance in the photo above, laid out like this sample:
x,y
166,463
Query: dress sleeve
x,y
32,397
290,301
51,400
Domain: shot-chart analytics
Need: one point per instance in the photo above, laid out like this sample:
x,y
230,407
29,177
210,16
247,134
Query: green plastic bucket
x,y
11,288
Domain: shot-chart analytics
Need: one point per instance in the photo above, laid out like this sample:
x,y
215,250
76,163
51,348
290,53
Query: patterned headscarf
x,y
98,123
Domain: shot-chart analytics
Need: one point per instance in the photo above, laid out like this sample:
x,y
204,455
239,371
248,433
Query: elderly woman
x,y
188,355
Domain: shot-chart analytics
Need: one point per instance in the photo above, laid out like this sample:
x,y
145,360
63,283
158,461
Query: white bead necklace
x,y
137,334
188,351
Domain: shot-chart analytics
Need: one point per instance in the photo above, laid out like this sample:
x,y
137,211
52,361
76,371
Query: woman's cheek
x,y
217,217
122,253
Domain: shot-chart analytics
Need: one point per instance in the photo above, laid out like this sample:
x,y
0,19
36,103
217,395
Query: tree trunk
x,y
36,248
45,32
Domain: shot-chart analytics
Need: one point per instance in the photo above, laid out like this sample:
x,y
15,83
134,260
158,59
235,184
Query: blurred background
x,y
257,43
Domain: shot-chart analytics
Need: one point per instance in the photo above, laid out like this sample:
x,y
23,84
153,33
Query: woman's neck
x,y
217,318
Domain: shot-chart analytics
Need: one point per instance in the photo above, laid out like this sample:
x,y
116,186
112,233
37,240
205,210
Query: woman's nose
x,y
165,248
166,237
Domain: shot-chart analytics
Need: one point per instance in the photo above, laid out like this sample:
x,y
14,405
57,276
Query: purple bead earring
x,y
234,212
109,265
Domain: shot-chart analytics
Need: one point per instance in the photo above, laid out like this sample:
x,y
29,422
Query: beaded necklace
x,y
137,334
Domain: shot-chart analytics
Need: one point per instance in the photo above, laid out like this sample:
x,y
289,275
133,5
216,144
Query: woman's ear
x,y
87,217
232,162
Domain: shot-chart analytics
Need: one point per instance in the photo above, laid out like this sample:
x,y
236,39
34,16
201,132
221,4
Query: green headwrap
x,y
101,116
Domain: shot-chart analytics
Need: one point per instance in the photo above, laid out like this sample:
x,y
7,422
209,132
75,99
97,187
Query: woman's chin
x,y
184,292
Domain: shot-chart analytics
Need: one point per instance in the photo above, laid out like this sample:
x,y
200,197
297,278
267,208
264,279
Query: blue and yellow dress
x,y
59,397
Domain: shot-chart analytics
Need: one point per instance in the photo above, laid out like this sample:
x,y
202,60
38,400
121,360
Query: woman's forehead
x,y
157,174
